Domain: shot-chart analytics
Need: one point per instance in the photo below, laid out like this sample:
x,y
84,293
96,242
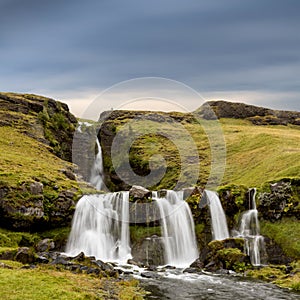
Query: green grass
x,y
277,275
257,154
137,233
44,284
285,233
254,154
23,159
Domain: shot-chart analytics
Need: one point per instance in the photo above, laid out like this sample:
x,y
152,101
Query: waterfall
x,y
250,231
177,228
100,227
218,218
96,178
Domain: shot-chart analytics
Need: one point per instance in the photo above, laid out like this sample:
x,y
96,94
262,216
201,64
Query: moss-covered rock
x,y
38,187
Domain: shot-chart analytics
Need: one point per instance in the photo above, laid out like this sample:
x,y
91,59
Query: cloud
x,y
74,47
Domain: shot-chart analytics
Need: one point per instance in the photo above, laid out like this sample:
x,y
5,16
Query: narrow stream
x,y
173,285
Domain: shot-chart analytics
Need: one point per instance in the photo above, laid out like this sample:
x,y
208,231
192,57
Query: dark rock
x,y
150,275
29,267
133,262
80,257
45,245
36,188
25,255
60,261
104,266
275,254
192,270
42,260
197,264
149,251
278,203
222,272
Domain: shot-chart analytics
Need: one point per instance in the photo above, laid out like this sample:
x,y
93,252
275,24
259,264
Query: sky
x,y
73,51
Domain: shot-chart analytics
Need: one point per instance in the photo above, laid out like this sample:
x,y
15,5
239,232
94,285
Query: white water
x,y
178,229
96,178
100,227
250,231
218,218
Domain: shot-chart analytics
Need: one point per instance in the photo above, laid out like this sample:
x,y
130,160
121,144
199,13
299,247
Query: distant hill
x,y
257,115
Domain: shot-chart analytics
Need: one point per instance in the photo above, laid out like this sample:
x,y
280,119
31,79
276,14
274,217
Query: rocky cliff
x,y
38,187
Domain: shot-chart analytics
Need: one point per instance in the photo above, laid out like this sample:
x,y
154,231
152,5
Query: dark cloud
x,y
211,45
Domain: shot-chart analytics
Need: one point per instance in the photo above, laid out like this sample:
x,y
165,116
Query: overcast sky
x,y
246,51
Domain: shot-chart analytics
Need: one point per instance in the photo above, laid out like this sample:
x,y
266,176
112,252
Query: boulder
x,y
138,192
45,245
25,255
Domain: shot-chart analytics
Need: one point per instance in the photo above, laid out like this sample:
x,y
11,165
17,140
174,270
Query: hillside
x,y
255,154
38,187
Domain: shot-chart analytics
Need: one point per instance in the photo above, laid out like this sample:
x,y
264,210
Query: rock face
x,y
45,119
149,251
38,187
279,202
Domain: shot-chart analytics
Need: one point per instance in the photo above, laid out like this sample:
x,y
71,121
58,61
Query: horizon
x,y
73,51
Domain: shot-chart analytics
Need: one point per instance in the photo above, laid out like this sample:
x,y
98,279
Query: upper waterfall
x,y
96,178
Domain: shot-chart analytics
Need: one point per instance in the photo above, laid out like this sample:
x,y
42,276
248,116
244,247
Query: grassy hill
x,y
255,154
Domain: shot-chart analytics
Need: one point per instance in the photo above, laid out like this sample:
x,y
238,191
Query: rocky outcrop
x,y
227,254
257,115
42,118
38,186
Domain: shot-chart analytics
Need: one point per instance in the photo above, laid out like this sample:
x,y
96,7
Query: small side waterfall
x,y
178,229
218,218
250,231
96,178
100,227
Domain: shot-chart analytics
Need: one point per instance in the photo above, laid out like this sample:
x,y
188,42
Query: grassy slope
x,y
46,283
23,158
257,154
254,154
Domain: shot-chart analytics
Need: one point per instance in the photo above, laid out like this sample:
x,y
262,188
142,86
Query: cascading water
x,y
100,227
250,231
178,229
96,178
218,218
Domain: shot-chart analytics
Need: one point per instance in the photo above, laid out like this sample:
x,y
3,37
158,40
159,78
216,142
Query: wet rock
x,y
150,275
133,262
42,260
139,192
25,255
149,251
104,266
192,270
60,261
222,272
79,257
